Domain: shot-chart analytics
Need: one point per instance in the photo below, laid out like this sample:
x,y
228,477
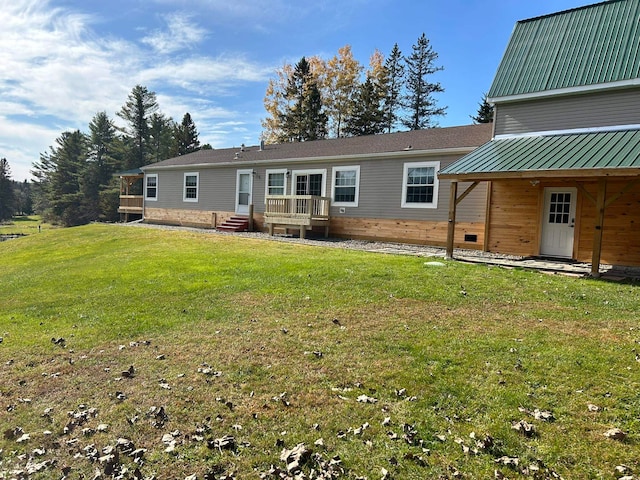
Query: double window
x,y
151,186
190,190
420,185
346,186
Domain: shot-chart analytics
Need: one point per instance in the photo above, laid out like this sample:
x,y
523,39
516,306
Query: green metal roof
x,y
585,46
583,154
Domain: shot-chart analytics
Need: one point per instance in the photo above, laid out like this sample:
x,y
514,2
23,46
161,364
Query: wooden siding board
x,y
621,234
515,219
602,109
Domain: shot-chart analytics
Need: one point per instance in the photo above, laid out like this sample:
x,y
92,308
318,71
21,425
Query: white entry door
x,y
558,222
244,188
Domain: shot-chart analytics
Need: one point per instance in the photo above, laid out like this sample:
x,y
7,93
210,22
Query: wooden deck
x,y
298,212
130,204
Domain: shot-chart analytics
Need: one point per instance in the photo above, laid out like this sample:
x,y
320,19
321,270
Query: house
x,y
562,170
382,187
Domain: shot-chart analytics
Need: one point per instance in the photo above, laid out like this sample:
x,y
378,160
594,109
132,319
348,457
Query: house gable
x,y
573,51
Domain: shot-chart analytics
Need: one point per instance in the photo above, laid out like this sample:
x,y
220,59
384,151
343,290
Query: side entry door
x,y
558,222
244,188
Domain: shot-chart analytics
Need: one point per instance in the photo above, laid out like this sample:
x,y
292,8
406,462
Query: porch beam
x,y
624,190
585,192
597,234
453,203
451,226
487,217
467,192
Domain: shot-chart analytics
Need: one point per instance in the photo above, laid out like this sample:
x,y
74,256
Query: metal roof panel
x,y
576,152
591,45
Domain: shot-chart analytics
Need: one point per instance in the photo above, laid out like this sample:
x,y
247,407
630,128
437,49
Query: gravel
x,y
364,245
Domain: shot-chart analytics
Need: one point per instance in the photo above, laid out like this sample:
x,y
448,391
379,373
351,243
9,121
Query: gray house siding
x,y
380,189
216,190
619,107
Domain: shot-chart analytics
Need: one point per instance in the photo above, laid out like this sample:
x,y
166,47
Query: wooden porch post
x,y
597,235
451,227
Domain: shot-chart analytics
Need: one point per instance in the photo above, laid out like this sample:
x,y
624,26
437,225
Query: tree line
x,y
15,197
317,98
74,182
338,97
312,100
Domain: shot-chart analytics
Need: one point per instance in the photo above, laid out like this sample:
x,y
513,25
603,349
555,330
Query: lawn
x,y
374,366
24,225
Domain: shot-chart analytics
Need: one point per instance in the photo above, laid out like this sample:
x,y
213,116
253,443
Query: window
x,y
276,182
560,208
151,186
346,186
420,185
190,187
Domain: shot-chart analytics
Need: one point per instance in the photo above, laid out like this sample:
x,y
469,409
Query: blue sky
x,y
62,61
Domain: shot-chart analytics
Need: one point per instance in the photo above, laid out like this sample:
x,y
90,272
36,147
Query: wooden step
x,y
234,224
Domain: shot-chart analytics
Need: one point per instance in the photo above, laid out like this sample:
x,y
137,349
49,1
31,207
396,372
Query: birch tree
x,y
341,83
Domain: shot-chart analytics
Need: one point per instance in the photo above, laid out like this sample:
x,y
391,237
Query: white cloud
x,y
218,74
58,71
181,33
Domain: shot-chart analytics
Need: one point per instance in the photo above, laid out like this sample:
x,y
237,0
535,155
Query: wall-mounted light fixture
x,y
534,183
288,173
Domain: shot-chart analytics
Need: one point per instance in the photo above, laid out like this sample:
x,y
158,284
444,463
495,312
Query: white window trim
x,y
266,180
184,186
295,173
335,170
405,175
147,198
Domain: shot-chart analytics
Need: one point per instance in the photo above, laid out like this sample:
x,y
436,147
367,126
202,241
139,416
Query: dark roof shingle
x,y
418,140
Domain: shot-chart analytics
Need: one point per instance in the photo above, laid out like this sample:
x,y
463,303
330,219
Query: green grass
x,y
257,310
24,225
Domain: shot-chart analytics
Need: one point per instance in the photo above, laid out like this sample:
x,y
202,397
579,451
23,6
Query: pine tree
x,y
367,116
394,66
161,137
7,193
485,112
185,137
418,99
140,105
59,175
303,117
24,202
99,189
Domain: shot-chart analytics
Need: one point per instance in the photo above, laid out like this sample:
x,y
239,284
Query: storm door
x,y
244,187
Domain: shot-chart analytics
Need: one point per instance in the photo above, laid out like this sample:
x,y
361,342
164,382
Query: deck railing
x,y
131,202
297,206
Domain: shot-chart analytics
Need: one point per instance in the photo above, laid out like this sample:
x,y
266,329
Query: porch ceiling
x,y
583,155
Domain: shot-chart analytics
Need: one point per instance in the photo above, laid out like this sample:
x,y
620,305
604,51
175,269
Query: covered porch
x,y
301,212
572,196
131,194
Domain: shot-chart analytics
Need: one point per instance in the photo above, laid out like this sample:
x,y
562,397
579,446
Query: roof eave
x,y
634,82
583,173
318,159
